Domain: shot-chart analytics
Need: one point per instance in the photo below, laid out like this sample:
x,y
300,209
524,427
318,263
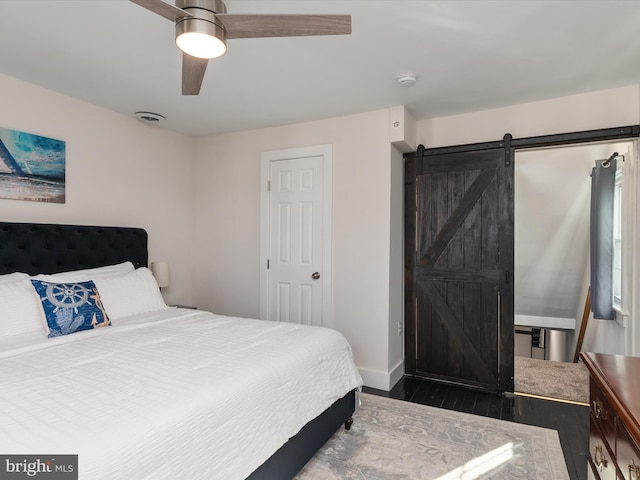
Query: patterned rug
x,y
562,381
394,440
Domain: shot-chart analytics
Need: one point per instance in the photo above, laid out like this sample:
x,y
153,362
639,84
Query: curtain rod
x,y
607,162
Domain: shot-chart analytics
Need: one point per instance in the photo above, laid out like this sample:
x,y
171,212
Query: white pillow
x,y
13,277
87,274
20,311
130,294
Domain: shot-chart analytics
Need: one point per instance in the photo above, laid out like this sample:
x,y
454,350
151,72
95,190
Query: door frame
x,y
326,152
511,145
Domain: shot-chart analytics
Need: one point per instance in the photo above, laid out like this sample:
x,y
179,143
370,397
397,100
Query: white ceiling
x,y
469,55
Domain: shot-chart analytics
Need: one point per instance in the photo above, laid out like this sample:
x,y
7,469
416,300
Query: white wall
x,y
396,268
552,227
603,109
119,172
227,219
589,111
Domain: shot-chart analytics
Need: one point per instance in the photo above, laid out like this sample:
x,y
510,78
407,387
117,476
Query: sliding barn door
x,y
459,272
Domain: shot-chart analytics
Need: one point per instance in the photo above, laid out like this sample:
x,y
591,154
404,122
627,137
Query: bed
x,y
162,392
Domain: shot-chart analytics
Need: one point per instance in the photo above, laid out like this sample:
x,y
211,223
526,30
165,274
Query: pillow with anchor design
x,y
70,307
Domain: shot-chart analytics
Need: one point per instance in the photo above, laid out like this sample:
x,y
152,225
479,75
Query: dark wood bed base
x,y
48,248
294,454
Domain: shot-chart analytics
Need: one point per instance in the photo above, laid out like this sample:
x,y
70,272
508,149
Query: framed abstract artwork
x,y
31,167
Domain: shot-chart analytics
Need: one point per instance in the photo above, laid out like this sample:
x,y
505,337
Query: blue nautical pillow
x,y
71,307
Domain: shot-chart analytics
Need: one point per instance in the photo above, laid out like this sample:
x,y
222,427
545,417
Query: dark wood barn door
x,y
459,266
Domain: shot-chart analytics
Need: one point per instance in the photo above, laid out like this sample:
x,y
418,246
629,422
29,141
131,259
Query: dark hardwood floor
x,y
571,421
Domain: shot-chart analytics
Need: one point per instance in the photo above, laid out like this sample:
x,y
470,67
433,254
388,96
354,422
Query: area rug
x,y
398,440
554,380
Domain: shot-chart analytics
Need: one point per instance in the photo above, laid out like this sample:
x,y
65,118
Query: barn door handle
x,y
315,275
507,277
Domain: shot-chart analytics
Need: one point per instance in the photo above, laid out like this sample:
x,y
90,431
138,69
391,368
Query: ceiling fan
x,y
203,27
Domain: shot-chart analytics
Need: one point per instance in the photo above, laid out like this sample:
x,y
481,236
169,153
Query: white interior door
x,y
296,236
295,263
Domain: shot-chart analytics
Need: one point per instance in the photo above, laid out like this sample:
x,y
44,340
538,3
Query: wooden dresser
x,y
614,398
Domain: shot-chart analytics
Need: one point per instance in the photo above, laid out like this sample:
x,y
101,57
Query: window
x,y
617,237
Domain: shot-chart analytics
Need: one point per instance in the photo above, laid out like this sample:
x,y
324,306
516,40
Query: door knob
x,y
315,275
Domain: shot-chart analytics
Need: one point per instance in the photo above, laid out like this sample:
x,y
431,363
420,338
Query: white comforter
x,y
179,394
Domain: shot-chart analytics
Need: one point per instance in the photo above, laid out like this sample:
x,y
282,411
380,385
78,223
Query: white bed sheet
x,y
178,394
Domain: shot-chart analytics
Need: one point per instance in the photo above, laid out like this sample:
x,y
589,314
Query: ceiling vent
x,y
150,117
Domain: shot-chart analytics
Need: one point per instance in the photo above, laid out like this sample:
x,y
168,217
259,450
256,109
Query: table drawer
x,y
602,413
627,453
600,453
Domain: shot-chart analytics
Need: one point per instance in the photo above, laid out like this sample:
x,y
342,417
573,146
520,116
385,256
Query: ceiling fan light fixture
x,y
202,28
200,38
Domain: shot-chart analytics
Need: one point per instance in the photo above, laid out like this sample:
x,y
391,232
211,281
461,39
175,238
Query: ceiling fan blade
x,y
257,26
170,12
193,69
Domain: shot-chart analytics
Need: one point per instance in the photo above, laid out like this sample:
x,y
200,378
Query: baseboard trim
x,y
382,380
396,374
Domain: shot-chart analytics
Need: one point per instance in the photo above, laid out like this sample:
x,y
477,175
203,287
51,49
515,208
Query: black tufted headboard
x,y
47,248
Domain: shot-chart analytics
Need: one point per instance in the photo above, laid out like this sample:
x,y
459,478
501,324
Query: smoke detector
x,y
407,80
150,117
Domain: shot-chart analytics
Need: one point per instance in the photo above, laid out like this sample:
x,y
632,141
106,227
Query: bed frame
x,y
45,248
48,248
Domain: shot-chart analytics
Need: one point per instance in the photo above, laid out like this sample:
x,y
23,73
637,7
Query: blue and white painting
x,y
31,167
